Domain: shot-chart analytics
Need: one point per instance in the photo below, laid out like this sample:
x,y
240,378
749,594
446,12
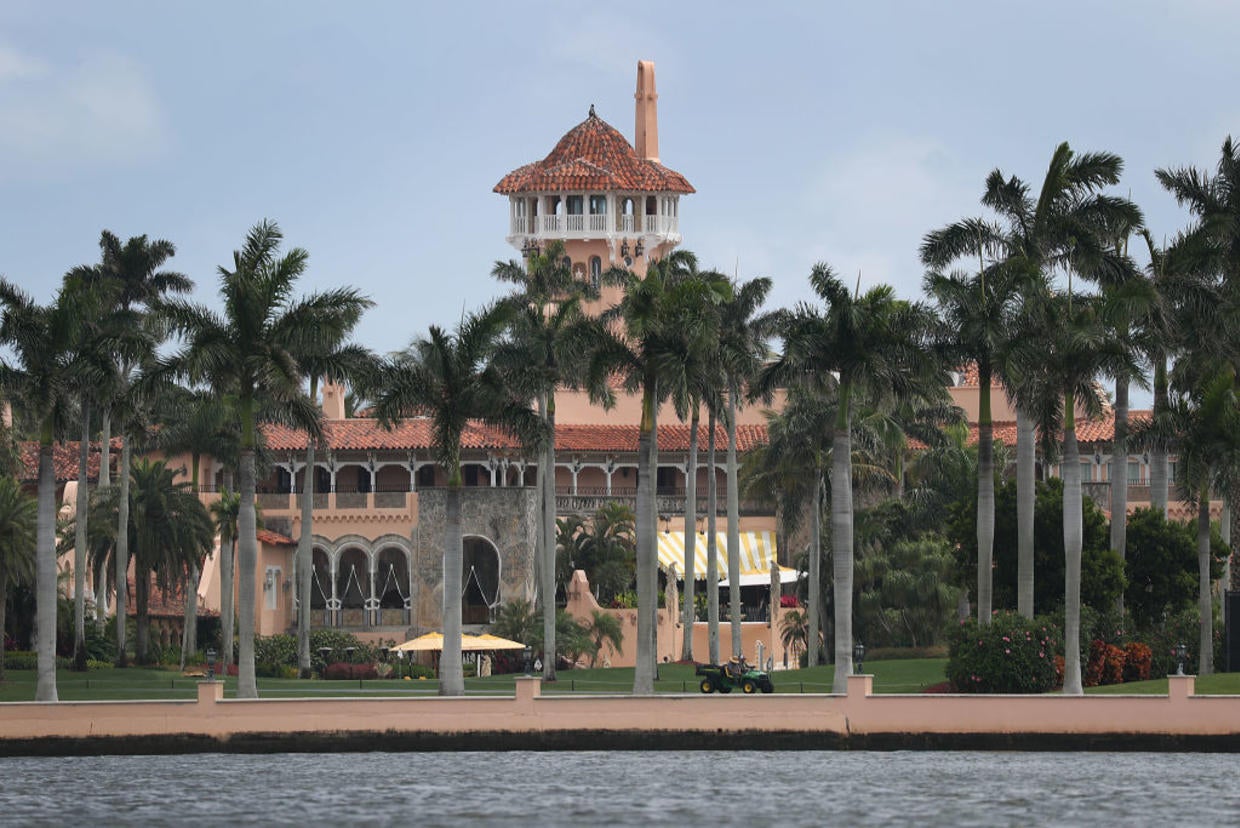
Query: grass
x,y
890,676
140,683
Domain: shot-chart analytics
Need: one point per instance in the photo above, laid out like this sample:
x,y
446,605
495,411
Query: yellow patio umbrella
x,y
486,641
434,642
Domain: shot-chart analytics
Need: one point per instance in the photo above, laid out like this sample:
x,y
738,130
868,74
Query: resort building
x,y
378,505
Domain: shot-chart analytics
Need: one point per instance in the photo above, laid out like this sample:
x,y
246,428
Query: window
x,y
1134,472
322,480
575,204
598,205
1171,472
1087,468
426,476
596,271
665,481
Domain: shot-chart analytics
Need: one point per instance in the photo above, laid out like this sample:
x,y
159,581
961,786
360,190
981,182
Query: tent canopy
x,y
757,553
433,642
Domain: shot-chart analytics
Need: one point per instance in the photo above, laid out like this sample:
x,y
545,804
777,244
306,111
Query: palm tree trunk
x,y
247,564
105,448
121,575
451,677
643,669
688,615
45,574
734,533
228,606
548,553
842,540
142,612
1158,455
189,629
1119,475
4,592
305,556
1205,603
712,553
82,506
101,594
1073,532
1026,495
985,499
814,587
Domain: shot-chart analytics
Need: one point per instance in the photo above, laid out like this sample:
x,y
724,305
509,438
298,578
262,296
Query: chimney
x,y
646,139
333,401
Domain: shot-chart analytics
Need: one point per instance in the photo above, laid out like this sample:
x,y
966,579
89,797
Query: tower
x,y
611,203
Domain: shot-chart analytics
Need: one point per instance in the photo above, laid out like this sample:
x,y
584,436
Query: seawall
x,y
529,720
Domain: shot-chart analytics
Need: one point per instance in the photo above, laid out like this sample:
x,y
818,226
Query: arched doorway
x,y
392,587
353,587
479,580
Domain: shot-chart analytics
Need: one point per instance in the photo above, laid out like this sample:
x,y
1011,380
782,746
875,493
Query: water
x,y
616,788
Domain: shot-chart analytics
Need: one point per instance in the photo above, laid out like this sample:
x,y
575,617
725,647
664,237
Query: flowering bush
x,y
345,670
1138,659
1105,665
1010,655
788,601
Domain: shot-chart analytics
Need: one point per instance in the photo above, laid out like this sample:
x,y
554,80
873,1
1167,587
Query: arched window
x,y
596,271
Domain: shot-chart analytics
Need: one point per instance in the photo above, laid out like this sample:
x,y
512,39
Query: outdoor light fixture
x,y
638,249
858,656
530,248
624,249
211,655
348,653
527,654
1181,655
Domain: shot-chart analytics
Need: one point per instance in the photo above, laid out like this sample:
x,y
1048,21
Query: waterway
x,y
618,788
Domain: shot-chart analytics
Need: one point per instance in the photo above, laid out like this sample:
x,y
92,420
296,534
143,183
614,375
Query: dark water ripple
x,y
616,788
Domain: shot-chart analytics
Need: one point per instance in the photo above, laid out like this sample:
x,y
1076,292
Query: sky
x,y
374,132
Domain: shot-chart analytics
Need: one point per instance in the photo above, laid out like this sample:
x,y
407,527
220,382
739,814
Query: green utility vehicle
x,y
725,677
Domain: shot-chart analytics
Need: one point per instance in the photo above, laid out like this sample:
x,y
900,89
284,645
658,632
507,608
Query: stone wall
x,y
507,517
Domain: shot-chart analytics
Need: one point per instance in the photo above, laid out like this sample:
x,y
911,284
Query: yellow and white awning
x,y
757,552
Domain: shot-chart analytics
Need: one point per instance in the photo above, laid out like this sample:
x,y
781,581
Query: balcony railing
x,y
342,500
593,225
1100,493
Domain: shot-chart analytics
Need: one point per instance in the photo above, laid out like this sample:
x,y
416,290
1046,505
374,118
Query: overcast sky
x,y
374,132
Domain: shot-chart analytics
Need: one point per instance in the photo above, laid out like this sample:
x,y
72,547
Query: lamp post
x,y
1181,655
348,654
324,652
858,656
526,655
211,655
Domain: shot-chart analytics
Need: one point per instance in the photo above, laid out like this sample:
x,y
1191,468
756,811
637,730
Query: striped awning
x,y
757,552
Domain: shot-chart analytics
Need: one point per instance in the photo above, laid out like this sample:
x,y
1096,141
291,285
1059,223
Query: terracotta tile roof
x,y
64,460
1101,430
274,538
415,434
969,378
593,156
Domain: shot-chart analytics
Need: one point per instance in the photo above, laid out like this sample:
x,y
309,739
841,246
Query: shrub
x,y
1010,655
21,660
1105,665
345,670
383,670
418,671
1138,658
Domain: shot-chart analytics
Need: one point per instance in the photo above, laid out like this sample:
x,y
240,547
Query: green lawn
x,y
896,676
893,676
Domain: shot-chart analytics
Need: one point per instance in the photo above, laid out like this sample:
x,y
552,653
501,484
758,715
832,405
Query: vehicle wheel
x,y
707,686
768,688
748,687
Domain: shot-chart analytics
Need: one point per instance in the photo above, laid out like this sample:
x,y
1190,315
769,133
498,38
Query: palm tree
x,y
449,377
742,351
338,363
660,315
130,275
1069,223
196,423
42,380
867,344
790,470
551,341
18,528
251,350
976,313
